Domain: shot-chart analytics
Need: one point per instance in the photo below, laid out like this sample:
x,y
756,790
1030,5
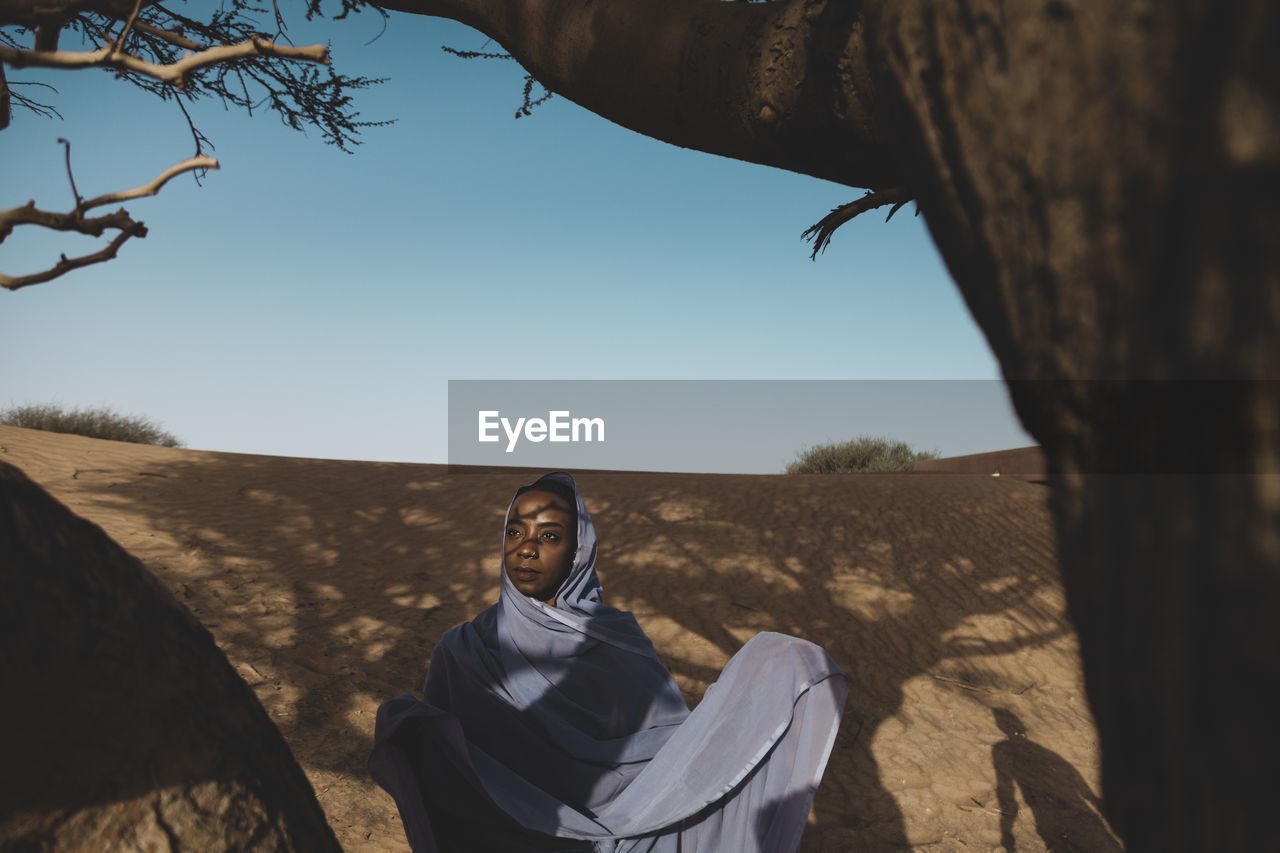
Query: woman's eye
x,y
552,537
512,531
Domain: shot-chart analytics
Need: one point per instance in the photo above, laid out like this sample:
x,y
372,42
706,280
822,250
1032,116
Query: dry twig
x,y
4,99
153,186
822,231
173,73
76,221
161,50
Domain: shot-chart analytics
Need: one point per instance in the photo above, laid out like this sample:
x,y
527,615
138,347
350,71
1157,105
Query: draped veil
x,y
556,727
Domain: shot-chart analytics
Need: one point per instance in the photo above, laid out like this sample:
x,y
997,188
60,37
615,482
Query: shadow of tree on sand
x,y
327,583
898,577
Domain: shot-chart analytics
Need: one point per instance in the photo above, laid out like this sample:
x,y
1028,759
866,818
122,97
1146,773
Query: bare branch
x,y
898,207
46,110
293,81
128,25
75,220
153,187
70,177
175,73
175,39
4,99
200,139
526,109
66,265
530,102
29,214
281,29
475,54
822,231
160,51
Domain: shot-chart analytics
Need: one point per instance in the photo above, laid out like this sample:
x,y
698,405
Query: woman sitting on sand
x,y
548,723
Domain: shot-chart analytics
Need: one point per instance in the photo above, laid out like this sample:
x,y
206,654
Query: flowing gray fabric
x,y
556,728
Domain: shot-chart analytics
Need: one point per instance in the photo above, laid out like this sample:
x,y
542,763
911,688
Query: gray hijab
x,y
563,718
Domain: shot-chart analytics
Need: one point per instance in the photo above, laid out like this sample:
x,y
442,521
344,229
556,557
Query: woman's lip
x,y
526,574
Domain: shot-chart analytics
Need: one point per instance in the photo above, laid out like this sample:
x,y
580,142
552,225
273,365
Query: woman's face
x,y
539,544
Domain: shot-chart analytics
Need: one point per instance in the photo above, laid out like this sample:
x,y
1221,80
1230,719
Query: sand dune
x,y
1022,463
327,582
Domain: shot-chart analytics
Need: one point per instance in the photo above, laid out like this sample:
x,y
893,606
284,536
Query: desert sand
x,y
326,584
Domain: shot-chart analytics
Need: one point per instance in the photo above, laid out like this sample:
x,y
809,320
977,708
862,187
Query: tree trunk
x,y
124,727
1103,181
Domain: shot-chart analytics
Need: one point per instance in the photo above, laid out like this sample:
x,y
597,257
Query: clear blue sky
x,y
306,302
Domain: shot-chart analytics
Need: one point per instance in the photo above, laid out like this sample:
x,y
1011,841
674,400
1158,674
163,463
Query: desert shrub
x,y
94,423
861,455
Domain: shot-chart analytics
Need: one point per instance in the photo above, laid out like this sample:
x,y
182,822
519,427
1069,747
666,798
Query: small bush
x,y
862,455
94,423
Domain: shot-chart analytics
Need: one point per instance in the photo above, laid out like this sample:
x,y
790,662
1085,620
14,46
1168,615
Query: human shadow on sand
x,y
1066,811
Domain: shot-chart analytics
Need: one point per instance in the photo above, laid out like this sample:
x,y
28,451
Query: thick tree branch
x,y
174,73
783,84
53,14
29,214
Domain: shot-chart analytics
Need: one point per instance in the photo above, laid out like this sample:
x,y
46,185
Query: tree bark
x,y
782,84
124,725
1103,182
